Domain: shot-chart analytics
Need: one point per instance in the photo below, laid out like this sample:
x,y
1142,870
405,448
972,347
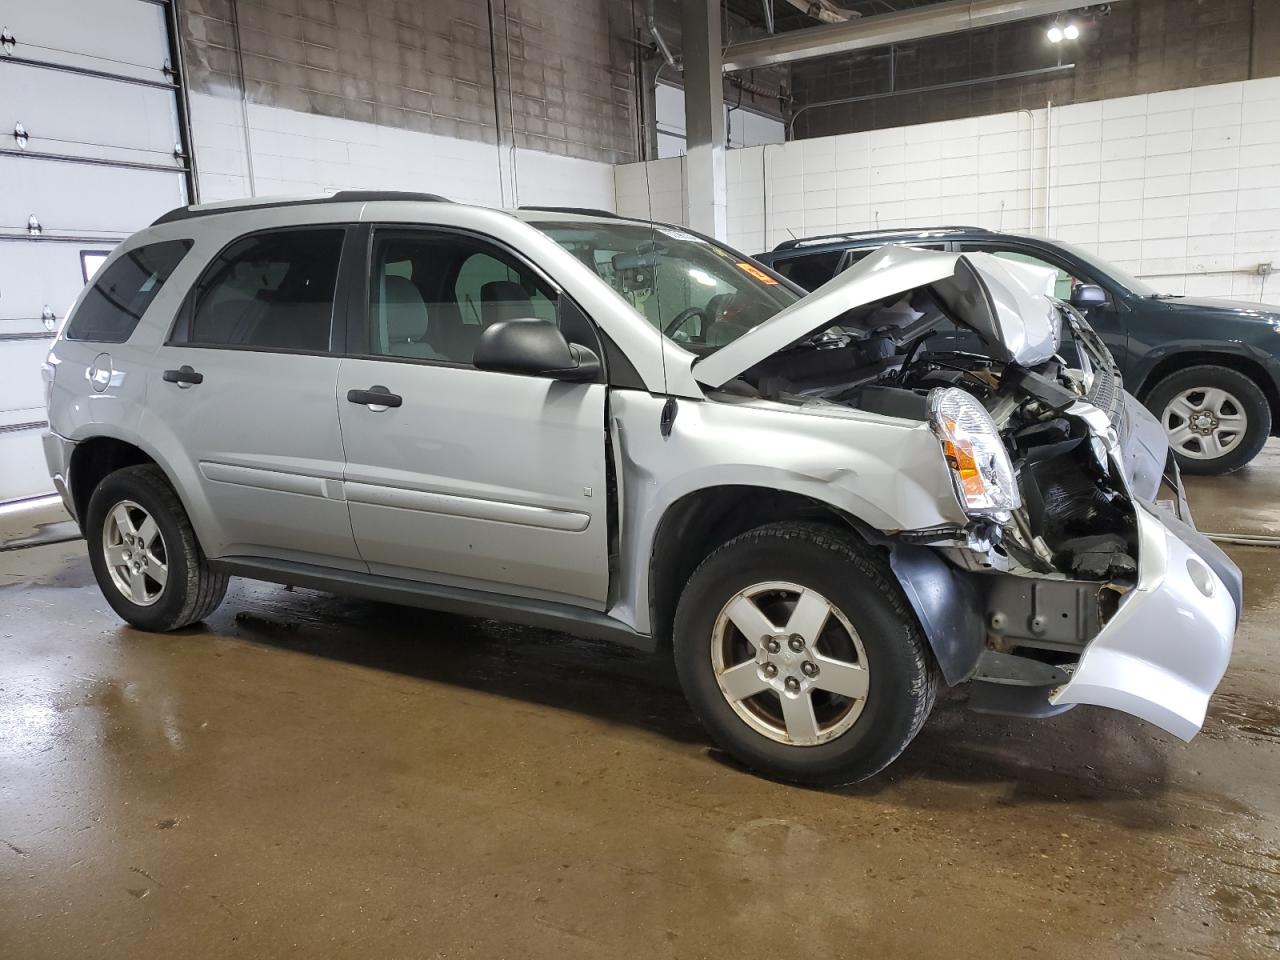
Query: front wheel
x,y
1217,419
798,652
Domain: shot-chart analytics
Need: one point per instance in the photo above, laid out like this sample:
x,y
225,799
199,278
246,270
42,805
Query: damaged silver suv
x,y
820,505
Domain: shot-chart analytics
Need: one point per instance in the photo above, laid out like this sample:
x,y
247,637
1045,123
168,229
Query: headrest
x,y
404,310
504,300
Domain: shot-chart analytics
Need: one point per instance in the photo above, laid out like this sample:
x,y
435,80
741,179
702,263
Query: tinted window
x,y
432,294
1063,283
120,296
857,255
810,271
270,291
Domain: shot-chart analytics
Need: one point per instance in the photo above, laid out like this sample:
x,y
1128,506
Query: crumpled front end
x,y
1143,623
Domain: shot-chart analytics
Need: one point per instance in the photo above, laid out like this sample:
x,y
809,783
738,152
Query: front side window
x,y
432,294
695,291
269,291
1064,282
120,296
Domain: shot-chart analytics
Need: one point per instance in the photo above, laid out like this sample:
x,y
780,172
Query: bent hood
x,y
1007,304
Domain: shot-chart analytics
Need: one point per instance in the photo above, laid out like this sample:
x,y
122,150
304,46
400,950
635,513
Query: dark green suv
x,y
1209,369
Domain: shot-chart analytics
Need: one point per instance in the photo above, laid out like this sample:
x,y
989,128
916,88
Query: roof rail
x,y
883,232
581,211
342,196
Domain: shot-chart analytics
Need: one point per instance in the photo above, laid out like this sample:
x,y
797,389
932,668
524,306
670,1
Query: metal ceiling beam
x,y
881,30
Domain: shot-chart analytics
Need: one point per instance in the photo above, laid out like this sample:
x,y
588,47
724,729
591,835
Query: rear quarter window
x,y
121,293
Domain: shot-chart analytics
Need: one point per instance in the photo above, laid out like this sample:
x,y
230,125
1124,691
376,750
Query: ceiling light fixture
x,y
1071,31
1055,34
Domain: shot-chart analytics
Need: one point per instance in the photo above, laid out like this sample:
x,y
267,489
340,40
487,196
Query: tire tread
x,y
205,586
848,548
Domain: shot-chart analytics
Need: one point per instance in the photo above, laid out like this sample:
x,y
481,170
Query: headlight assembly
x,y
979,463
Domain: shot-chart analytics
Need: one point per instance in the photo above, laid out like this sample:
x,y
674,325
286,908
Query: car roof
x,y
527,213
841,241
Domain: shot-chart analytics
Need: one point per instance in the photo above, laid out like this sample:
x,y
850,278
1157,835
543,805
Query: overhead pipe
x,y
823,10
931,88
651,21
918,23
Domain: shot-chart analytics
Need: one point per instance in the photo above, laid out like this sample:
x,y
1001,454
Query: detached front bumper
x,y
1165,646
1164,651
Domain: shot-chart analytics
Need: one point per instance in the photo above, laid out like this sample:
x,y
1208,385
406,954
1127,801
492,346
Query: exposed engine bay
x,y
1074,517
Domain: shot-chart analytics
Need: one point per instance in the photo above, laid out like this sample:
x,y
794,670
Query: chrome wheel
x,y
789,663
135,553
1205,423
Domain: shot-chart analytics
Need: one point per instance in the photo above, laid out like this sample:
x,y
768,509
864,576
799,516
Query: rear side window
x,y
810,271
121,294
269,291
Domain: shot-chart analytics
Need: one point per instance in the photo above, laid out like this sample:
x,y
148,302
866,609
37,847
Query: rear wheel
x,y
798,652
144,552
1217,419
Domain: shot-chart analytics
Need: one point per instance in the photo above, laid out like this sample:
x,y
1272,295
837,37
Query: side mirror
x,y
1086,295
536,348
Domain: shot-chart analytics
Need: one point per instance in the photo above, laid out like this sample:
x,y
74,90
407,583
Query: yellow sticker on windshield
x,y
753,271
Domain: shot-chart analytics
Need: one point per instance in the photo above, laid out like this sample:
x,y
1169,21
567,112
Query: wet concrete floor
x,y
318,777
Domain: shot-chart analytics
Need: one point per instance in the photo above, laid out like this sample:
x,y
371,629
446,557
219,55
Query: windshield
x,y
1131,283
698,293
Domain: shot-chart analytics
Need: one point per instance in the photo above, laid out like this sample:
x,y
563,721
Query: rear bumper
x,y
57,455
1164,651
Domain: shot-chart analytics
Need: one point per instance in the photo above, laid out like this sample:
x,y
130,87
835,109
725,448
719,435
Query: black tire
x,y
192,590
855,579
1253,403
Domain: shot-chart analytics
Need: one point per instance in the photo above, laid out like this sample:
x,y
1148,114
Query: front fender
x,y
886,473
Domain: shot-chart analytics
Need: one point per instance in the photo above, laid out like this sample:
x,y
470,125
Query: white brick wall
x,y
296,152
1181,187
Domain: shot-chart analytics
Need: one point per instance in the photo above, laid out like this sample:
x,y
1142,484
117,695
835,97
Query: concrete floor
x,y
311,776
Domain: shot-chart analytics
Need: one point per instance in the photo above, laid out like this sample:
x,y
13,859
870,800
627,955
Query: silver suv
x,y
819,504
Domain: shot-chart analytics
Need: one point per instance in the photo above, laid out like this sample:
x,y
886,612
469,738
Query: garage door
x,y
91,149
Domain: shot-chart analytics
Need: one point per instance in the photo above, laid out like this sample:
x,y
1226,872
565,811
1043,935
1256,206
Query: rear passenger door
x,y
463,477
245,391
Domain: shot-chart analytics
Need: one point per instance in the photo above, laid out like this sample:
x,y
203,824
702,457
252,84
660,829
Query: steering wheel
x,y
681,318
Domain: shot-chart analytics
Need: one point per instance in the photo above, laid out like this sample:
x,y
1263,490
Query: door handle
x,y
377,398
184,377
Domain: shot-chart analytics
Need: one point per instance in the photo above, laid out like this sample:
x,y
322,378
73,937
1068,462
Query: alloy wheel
x,y
1205,423
135,553
789,663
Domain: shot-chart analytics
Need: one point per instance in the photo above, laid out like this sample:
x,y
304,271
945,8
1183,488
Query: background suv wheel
x,y
1217,419
799,654
144,552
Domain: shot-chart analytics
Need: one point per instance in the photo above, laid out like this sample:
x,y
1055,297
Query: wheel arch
x,y
96,456
700,521
1175,361
946,600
